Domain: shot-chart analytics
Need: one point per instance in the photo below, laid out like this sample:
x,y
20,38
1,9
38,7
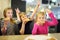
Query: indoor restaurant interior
x,y
29,19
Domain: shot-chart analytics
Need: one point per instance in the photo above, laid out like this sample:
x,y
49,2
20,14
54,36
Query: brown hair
x,y
4,13
5,10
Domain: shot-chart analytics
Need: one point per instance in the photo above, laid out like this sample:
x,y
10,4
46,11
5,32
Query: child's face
x,y
9,13
24,18
41,18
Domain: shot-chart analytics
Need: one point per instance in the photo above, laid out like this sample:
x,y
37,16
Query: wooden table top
x,y
22,37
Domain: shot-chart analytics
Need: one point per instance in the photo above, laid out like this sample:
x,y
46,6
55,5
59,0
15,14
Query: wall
x,y
4,4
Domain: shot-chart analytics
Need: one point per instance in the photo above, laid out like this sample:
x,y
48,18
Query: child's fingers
x,y
48,11
38,2
17,10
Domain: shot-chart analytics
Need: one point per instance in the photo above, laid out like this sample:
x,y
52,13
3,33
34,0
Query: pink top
x,y
39,29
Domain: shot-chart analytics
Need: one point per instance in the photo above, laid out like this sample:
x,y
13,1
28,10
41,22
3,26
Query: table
x,y
22,37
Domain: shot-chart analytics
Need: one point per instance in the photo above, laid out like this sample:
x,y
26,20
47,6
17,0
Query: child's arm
x,y
34,31
35,10
54,20
17,13
3,27
22,29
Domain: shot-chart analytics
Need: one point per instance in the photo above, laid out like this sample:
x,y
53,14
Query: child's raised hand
x,y
48,11
17,13
38,2
17,10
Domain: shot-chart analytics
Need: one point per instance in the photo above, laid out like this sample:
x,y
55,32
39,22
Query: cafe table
x,y
23,37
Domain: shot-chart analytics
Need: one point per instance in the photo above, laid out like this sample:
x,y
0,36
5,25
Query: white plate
x,y
37,37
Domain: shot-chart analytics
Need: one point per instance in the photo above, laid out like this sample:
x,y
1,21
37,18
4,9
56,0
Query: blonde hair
x,y
21,14
4,13
40,13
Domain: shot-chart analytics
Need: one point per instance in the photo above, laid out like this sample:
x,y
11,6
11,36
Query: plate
x,y
39,37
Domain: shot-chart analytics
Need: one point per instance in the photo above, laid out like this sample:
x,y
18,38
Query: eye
x,y
39,17
22,17
8,12
43,17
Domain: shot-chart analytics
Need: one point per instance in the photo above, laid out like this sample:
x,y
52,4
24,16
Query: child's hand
x,y
17,10
38,2
3,30
48,11
23,20
17,13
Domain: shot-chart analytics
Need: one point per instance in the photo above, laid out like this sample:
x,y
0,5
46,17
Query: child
x,y
41,25
8,24
25,24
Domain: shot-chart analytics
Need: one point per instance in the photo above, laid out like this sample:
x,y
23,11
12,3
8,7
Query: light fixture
x,y
49,6
54,0
29,1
